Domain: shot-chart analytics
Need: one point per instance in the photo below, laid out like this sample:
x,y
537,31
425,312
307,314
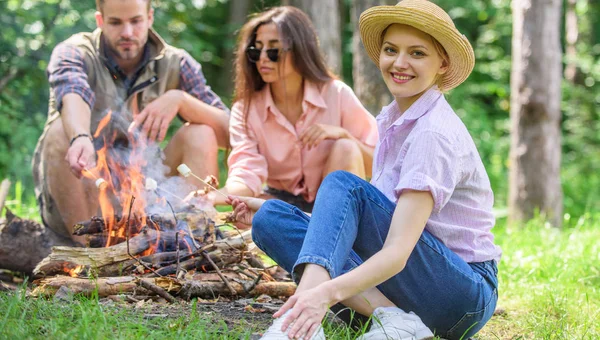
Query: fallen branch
x,y
216,268
104,286
211,290
156,289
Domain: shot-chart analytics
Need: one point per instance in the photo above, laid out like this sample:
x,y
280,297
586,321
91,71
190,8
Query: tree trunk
x,y
368,83
325,15
535,111
238,13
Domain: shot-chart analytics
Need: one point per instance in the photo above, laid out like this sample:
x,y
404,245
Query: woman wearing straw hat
x,y
413,248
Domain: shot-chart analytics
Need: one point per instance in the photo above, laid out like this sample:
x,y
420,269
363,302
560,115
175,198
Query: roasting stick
x,y
186,172
100,182
152,185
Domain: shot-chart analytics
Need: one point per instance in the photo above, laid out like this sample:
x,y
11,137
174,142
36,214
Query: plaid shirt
x,y
67,73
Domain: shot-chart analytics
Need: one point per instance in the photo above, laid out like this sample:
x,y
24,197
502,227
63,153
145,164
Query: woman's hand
x,y
317,133
309,309
244,208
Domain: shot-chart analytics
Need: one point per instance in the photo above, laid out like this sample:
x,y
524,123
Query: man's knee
x,y
55,141
199,137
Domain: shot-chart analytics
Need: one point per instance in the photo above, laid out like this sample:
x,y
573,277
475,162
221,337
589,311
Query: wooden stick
x,y
205,182
127,236
177,251
159,291
207,257
211,289
4,187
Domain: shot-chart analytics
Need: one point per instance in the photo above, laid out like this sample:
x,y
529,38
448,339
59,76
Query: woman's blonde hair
x,y
441,51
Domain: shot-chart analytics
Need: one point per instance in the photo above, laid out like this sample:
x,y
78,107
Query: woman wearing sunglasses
x,y
292,121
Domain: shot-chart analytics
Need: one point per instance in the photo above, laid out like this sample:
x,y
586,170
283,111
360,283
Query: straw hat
x,y
429,18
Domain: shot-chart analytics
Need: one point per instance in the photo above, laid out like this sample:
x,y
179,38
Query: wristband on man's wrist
x,y
80,135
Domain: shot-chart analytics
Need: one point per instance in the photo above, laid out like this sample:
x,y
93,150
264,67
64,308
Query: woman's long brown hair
x,y
298,37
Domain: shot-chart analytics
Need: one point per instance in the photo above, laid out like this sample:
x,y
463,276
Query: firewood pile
x,y
181,256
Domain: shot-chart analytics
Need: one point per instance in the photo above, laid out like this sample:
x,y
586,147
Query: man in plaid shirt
x,y
126,68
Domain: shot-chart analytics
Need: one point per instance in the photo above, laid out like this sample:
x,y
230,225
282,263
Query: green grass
x,y
549,281
86,318
22,203
549,289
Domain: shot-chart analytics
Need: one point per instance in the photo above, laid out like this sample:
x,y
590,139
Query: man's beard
x,y
128,53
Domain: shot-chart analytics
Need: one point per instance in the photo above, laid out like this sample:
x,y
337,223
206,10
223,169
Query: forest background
x,y
207,30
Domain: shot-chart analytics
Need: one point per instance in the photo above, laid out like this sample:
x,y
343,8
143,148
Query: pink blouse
x,y
269,150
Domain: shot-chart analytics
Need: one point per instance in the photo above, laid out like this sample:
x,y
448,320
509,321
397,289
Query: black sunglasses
x,y
253,54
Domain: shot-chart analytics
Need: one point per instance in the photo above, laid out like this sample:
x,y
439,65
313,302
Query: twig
x,y
177,253
207,257
127,237
255,282
156,289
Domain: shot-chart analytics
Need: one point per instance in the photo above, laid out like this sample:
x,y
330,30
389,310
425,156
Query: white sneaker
x,y
394,323
274,332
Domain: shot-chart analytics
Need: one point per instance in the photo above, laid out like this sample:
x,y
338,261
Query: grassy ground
x,y
549,289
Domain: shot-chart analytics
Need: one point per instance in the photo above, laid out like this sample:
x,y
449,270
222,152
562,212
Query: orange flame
x,y
124,179
73,272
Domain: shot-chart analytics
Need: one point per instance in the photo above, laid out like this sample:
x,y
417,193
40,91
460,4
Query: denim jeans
x,y
349,224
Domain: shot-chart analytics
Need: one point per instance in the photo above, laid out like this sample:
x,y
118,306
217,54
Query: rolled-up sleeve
x,y
246,164
67,73
356,119
430,164
193,82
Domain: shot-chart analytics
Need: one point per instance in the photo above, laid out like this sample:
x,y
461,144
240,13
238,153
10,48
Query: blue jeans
x,y
349,224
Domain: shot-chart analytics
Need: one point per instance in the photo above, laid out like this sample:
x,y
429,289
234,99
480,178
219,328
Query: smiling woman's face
x,y
409,63
267,37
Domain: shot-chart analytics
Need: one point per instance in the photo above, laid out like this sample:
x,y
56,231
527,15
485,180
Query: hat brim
x,y
375,20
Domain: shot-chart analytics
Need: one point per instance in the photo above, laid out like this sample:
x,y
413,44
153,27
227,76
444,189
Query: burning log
x,y
98,257
93,226
112,260
219,257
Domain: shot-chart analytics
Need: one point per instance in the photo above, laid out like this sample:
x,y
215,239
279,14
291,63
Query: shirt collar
x,y
391,113
312,96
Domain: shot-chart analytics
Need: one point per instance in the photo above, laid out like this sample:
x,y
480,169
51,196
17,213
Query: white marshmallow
x,y
184,170
101,184
151,184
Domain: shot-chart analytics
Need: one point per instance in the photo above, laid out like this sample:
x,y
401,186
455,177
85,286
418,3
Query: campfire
x,y
147,239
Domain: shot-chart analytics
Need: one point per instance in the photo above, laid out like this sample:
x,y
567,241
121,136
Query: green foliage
x,y
30,29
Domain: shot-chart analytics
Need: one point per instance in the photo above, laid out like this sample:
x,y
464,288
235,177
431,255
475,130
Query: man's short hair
x,y
99,4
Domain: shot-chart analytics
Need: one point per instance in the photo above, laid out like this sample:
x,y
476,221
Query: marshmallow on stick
x,y
186,172
101,184
151,185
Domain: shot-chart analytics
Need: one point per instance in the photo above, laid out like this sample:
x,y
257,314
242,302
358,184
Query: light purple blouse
x,y
428,148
